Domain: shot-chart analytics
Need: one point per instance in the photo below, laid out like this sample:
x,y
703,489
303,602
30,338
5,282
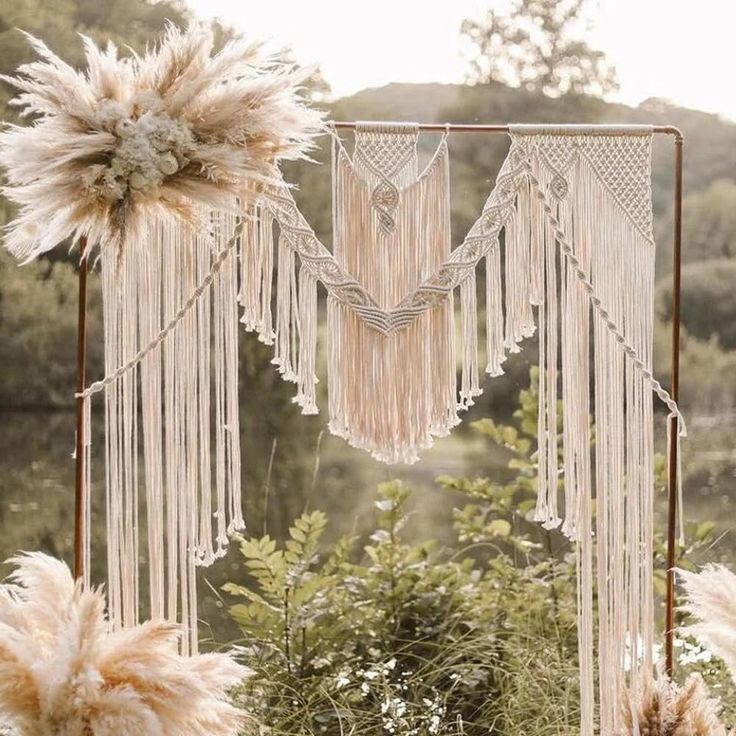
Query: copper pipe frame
x,y
80,510
672,480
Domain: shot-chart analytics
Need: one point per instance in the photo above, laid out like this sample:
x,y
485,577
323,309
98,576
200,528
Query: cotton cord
x,y
98,386
187,427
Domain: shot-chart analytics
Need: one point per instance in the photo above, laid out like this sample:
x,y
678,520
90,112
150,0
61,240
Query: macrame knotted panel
x,y
187,429
566,235
390,393
590,202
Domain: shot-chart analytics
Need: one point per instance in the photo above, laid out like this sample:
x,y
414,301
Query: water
x,y
310,470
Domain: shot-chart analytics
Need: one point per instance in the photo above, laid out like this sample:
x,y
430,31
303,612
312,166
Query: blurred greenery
x,y
380,634
535,45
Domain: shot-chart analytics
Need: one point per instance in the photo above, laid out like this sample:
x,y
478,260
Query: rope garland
x,y
598,307
206,282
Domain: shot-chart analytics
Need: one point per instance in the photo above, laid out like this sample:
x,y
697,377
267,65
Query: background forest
x,y
403,558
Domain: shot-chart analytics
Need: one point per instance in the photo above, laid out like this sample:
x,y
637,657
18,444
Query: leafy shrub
x,y
378,636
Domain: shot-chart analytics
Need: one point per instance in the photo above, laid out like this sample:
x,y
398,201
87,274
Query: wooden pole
x,y
80,510
672,469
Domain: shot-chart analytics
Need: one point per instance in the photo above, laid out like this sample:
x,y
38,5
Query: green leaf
x,y
499,528
705,530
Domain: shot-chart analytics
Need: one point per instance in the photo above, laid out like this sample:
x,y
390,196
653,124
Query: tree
x,y
536,46
709,223
708,300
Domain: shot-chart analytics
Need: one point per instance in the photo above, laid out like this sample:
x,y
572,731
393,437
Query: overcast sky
x,y
683,50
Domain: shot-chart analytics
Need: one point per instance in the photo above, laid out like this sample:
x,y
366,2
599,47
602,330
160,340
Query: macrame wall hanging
x,y
566,242
168,163
157,159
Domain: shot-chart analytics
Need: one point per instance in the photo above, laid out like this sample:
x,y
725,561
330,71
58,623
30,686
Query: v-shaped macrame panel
x,y
563,247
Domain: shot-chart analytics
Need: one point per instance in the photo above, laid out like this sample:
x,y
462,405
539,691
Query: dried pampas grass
x,y
711,601
146,136
62,672
660,707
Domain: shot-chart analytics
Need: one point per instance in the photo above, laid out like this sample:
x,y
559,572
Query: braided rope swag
x,y
567,230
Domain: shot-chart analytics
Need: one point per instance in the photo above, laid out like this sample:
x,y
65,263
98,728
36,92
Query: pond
x,y
292,464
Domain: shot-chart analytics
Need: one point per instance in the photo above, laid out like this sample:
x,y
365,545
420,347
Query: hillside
x,y
710,140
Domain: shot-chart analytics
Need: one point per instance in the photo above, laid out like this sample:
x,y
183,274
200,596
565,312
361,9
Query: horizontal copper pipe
x,y
470,128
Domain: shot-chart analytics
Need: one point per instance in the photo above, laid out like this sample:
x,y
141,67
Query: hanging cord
x,y
217,264
598,307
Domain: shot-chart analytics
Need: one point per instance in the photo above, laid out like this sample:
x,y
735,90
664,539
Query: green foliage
x,y
708,300
387,636
709,271
533,45
708,223
380,635
38,334
707,372
408,638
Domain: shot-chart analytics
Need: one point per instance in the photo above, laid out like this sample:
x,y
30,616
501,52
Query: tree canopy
x,y
537,45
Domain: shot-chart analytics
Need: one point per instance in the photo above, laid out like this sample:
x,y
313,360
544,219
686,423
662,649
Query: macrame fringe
x,y
183,383
495,352
391,394
620,261
614,548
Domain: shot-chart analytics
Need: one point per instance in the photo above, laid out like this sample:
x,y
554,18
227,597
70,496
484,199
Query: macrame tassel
x,y
546,511
265,325
307,371
229,275
251,273
121,402
151,418
575,371
87,497
519,317
469,387
287,322
204,550
257,273
537,228
495,354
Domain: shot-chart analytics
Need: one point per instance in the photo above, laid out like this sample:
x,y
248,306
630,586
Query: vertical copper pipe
x,y
80,511
674,390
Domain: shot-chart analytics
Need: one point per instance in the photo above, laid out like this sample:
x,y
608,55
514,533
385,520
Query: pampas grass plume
x,y
63,672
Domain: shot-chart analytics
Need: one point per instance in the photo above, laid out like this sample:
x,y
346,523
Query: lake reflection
x,y
37,477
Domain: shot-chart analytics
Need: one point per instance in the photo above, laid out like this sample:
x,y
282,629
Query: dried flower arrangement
x,y
146,136
661,707
711,601
62,671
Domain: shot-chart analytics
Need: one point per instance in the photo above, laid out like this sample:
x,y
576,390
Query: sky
x,y
682,50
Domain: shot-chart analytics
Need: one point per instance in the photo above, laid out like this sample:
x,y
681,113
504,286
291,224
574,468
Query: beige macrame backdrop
x,y
566,236
391,394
